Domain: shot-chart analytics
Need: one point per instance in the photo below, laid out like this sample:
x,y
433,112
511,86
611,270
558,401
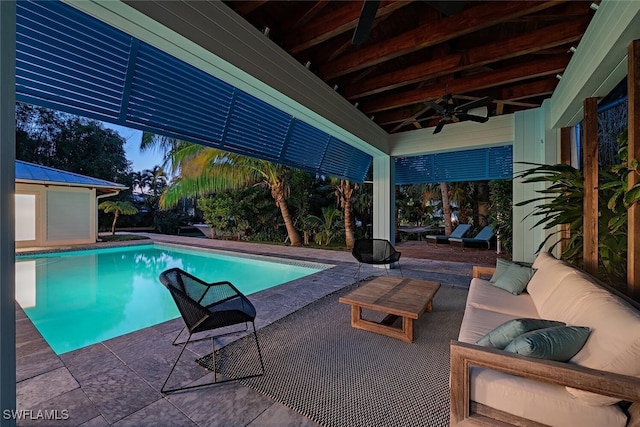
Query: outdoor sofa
x,y
490,386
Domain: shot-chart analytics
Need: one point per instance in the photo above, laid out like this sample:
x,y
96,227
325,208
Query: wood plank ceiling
x,y
512,51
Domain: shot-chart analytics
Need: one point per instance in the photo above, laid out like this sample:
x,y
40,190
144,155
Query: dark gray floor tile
x,y
89,361
31,392
278,415
119,392
160,413
228,404
95,422
155,368
141,349
69,409
170,327
123,342
37,363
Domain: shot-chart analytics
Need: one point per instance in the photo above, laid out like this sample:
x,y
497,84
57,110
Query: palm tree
x,y
458,194
138,180
158,179
163,144
118,208
205,170
441,191
446,208
344,193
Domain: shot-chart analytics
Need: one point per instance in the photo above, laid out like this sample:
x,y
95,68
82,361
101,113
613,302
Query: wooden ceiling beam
x,y
533,41
407,115
335,23
415,74
400,115
470,20
411,119
529,90
568,11
530,70
246,7
311,13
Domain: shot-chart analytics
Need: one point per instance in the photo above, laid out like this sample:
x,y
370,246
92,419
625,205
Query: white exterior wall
x,y
534,142
384,198
63,216
454,137
600,62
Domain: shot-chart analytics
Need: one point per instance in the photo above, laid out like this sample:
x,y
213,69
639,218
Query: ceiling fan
x,y
449,112
370,10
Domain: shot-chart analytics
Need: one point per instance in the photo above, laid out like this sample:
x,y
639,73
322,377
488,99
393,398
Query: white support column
x,y
7,209
534,142
384,198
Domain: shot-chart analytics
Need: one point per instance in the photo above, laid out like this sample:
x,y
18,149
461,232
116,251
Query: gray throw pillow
x,y
559,343
502,336
501,267
514,279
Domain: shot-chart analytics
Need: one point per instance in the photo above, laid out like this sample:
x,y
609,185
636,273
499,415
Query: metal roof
x,y
72,62
32,173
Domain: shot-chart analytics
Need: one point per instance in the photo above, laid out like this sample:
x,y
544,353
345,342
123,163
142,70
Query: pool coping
x,y
256,295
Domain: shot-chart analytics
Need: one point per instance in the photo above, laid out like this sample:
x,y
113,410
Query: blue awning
x,y
467,165
69,61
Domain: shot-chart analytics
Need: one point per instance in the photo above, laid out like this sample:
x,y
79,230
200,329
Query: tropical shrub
x,y
168,221
501,211
217,212
563,204
327,227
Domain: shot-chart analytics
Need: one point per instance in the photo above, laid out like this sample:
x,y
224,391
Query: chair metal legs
x,y
386,269
209,362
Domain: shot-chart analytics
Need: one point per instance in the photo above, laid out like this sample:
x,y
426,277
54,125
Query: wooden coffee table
x,y
396,296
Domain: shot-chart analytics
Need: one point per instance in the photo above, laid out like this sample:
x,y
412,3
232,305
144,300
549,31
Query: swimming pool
x,y
83,297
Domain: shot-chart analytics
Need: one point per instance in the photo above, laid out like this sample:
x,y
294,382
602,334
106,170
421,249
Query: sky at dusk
x,y
140,161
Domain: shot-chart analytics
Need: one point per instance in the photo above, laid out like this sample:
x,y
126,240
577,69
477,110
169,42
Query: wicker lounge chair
x,y
206,306
376,252
459,231
483,238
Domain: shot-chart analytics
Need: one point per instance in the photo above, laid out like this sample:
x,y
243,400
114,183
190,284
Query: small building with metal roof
x,y
55,207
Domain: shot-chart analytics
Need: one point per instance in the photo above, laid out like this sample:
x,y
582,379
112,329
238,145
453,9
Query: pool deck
x,y
117,382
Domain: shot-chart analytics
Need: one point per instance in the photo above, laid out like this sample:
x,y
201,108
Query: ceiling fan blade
x,y
365,22
439,127
439,108
464,116
474,104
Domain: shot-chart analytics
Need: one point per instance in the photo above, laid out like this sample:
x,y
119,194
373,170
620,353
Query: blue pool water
x,y
80,298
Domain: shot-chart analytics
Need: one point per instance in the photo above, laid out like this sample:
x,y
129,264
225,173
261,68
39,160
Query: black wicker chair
x,y
207,306
375,251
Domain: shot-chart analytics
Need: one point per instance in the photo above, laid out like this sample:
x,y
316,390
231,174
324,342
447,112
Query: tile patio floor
x,y
117,382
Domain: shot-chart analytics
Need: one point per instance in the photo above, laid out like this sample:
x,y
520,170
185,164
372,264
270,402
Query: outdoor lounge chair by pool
x,y
376,252
206,306
460,231
483,237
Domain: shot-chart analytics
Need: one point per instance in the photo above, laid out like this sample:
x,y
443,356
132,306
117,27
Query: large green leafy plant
x,y
501,211
561,203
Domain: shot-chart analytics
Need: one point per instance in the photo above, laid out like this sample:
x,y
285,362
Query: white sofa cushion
x,y
544,403
482,294
477,322
568,296
549,272
614,343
